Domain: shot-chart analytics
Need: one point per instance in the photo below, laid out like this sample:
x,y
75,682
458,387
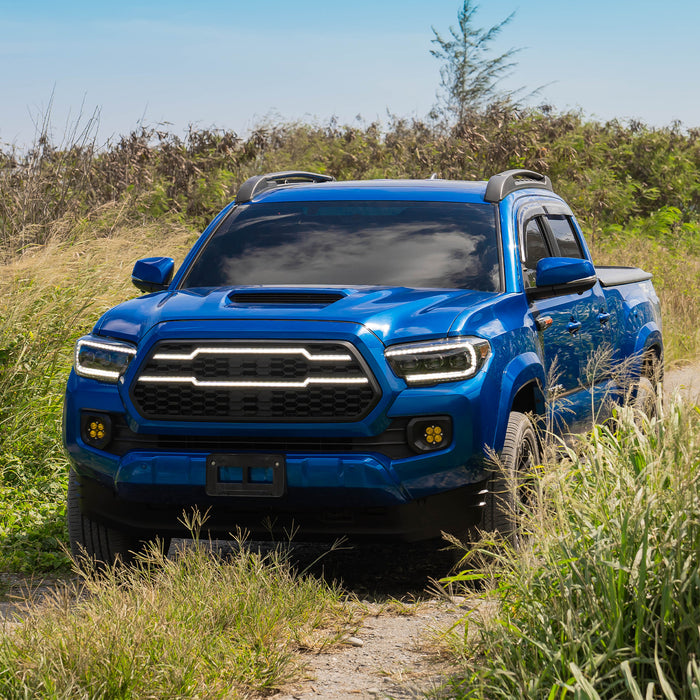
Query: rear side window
x,y
565,236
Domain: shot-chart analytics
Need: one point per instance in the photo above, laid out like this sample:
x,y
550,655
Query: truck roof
x,y
296,186
440,190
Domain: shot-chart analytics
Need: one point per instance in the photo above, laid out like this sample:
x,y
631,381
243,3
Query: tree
x,y
469,75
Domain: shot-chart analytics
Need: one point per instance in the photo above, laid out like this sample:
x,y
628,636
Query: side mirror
x,y
563,276
153,274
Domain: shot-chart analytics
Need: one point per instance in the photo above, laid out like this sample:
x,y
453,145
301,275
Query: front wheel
x,y
91,539
510,488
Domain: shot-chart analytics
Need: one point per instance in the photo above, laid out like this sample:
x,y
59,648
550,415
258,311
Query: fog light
x,y
428,434
96,429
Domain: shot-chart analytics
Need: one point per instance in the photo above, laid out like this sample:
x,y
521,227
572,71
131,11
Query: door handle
x,y
573,327
603,317
544,322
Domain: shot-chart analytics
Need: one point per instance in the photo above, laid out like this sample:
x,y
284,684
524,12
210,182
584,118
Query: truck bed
x,y
610,276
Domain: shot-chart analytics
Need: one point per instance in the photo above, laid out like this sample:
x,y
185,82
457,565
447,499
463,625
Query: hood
x,y
393,314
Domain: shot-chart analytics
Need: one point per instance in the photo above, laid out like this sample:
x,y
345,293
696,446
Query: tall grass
x,y
670,249
604,601
49,297
198,625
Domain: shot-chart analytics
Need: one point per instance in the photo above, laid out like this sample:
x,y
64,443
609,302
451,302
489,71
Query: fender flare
x,y
522,370
648,336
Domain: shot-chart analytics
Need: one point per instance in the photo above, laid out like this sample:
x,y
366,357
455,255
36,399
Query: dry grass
x,y
49,296
676,270
196,626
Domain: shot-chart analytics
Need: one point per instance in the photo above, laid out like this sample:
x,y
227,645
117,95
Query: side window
x,y
536,248
565,236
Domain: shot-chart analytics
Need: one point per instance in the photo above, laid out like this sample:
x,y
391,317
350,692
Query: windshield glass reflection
x,y
413,244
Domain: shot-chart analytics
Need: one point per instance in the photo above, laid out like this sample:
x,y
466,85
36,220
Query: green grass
x,y
198,625
36,331
604,600
48,298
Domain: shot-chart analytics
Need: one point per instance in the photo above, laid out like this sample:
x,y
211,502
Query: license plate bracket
x,y
246,474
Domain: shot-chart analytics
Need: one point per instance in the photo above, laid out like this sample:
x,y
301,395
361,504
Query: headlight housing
x,y
105,360
449,360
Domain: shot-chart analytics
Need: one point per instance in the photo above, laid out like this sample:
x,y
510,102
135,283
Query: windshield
x,y
411,244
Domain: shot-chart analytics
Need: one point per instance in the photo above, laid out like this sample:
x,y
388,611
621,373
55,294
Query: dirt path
x,y
685,379
392,655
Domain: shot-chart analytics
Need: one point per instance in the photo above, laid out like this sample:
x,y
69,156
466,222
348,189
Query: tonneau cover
x,y
614,276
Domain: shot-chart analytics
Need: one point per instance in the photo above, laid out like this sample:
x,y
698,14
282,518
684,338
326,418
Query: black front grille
x,y
392,442
254,381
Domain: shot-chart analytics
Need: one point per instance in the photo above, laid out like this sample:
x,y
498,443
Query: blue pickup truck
x,y
341,358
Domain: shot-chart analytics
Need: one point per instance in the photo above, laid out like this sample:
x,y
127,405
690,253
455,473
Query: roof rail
x,y
508,181
257,183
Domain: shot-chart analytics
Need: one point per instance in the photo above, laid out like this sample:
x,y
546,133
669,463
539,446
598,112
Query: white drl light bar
x,y
258,385
415,349
251,351
98,373
107,346
440,376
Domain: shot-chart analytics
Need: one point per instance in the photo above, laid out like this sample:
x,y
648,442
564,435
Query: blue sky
x,y
233,64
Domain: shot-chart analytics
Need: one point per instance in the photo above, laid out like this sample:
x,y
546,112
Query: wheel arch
x,y
649,348
522,390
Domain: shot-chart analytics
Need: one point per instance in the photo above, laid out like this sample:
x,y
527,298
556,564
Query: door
x,y
570,330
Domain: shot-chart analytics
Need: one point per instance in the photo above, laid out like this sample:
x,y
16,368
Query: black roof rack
x,y
257,183
508,181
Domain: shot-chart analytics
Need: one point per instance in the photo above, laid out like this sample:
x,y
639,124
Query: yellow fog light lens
x,y
96,430
433,434
426,434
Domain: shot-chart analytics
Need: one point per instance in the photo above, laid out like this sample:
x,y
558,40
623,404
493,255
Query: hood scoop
x,y
284,298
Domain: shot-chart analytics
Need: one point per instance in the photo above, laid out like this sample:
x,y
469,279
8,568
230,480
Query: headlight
x,y
105,360
448,360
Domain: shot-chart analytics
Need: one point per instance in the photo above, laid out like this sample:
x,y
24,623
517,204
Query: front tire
x,y
510,488
102,544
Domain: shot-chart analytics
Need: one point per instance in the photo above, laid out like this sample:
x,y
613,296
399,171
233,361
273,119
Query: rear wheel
x,y
510,488
647,388
98,542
